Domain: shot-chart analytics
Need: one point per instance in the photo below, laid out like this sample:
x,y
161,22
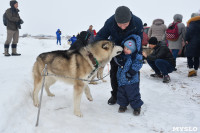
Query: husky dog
x,y
77,64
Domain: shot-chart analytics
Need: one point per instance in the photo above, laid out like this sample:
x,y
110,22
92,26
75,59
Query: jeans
x,y
161,66
193,62
175,53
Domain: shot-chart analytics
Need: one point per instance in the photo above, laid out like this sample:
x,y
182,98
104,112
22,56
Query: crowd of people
x,y
126,29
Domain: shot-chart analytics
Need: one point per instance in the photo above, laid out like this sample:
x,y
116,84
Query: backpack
x,y
172,32
145,39
4,19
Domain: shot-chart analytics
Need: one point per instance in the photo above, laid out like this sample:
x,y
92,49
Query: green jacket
x,y
12,19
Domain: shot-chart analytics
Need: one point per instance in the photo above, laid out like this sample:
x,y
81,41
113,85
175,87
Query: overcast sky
x,y
46,16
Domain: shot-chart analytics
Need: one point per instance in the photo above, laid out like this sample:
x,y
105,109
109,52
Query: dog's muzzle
x,y
119,52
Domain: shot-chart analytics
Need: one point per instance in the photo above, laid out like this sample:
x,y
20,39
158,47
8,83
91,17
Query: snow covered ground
x,y
166,106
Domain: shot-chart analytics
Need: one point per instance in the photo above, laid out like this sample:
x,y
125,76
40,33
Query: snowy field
x,y
166,106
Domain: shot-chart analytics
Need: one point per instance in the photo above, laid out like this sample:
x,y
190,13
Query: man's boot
x,y
14,50
6,50
192,72
112,100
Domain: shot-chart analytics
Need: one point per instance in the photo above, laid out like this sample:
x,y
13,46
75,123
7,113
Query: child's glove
x,y
128,76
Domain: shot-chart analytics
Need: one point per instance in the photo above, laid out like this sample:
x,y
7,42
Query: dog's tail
x,y
37,70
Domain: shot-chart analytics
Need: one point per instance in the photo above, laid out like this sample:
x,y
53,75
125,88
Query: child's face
x,y
126,50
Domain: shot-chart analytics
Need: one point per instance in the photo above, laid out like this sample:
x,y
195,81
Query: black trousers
x,y
113,77
193,62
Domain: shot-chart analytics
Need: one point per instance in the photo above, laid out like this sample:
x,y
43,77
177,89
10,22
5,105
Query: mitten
x,y
128,76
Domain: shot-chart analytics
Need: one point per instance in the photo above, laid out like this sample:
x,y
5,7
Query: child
x,y
130,62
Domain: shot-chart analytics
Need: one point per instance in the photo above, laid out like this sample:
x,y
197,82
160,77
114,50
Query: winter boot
x,y
166,79
156,75
6,49
14,50
136,112
112,100
192,73
122,109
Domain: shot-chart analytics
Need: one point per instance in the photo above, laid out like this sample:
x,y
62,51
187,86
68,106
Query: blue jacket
x,y
72,39
58,33
112,31
130,63
193,38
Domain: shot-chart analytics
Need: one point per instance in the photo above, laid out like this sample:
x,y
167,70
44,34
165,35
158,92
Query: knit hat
x,y
122,14
178,18
13,2
153,41
130,44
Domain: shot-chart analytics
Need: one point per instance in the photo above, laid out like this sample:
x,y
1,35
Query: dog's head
x,y
104,50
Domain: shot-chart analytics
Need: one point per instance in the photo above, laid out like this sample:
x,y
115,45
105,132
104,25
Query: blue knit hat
x,y
130,44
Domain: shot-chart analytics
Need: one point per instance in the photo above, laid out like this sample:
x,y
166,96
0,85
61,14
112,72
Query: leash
x,y
61,76
43,81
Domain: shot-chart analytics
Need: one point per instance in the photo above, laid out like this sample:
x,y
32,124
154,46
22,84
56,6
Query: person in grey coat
x,y
176,46
157,29
13,25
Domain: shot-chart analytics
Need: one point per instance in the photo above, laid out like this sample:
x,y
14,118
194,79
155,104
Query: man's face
x,y
90,27
16,5
151,46
123,26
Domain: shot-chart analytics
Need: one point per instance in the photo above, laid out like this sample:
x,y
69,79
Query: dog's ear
x,y
105,46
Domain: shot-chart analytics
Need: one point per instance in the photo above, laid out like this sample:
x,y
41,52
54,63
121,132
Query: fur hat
x,y
130,44
194,15
122,14
13,2
178,18
153,41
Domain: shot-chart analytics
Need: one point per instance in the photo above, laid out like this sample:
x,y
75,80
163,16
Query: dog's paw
x,y
51,95
104,80
93,82
36,104
90,98
78,113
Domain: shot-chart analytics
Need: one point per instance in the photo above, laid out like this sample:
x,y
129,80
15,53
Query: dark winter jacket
x,y
161,52
130,63
58,33
193,37
13,19
82,41
112,31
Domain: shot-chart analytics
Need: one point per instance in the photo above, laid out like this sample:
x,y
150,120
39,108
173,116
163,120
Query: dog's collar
x,y
94,60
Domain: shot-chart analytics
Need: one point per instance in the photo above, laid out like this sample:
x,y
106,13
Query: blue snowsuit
x,y
72,39
58,33
128,90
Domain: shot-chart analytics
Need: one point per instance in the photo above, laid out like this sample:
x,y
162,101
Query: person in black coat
x,y
192,39
118,27
160,60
